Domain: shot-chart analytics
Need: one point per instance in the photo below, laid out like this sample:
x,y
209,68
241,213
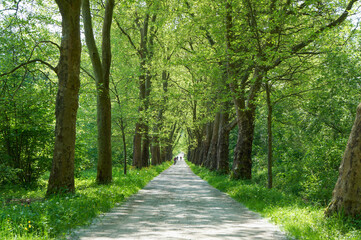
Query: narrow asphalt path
x,y
177,204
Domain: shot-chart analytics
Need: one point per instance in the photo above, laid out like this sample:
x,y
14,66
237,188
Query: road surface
x,y
177,204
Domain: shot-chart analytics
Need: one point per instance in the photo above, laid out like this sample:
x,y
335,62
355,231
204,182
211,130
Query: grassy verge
x,y
298,219
25,214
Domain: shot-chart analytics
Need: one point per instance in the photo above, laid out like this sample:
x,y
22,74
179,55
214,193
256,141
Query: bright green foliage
x,y
26,96
312,117
56,216
314,94
296,218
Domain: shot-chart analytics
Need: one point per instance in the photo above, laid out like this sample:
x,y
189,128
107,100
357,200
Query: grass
x,y
298,219
26,214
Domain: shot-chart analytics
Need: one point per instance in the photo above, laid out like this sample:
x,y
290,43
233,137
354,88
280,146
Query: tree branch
x,y
87,73
127,35
334,23
27,63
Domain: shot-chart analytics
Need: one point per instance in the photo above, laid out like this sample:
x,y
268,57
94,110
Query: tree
x,y
27,95
346,197
265,51
62,173
101,70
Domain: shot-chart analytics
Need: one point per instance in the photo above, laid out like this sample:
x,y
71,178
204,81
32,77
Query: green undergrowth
x,y
26,214
298,219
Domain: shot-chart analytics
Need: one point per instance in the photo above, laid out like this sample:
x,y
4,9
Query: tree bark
x,y
145,146
145,54
102,73
138,135
158,155
211,161
163,154
242,163
155,149
346,197
223,143
207,143
137,146
68,70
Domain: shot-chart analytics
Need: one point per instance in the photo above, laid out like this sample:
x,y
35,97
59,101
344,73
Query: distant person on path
x,y
175,160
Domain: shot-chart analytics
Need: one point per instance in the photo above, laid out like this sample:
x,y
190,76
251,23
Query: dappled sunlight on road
x,y
179,205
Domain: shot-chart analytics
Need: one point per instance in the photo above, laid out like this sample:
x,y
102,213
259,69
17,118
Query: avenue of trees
x,y
262,90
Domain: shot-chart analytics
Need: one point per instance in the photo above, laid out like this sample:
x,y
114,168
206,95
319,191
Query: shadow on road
x,y
177,204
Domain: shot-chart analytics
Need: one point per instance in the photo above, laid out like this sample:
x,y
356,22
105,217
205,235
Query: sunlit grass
x,y
25,214
296,218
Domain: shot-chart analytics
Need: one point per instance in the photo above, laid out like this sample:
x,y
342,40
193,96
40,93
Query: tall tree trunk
x,y
68,70
137,146
346,197
163,154
269,130
212,151
146,137
145,146
101,70
104,168
158,154
155,149
223,143
145,54
207,143
122,127
139,126
200,146
242,163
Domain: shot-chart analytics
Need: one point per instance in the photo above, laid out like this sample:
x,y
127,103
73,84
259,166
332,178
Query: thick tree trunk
x,y
155,150
145,146
242,162
104,168
211,161
246,110
189,153
169,152
205,144
101,70
346,197
197,153
163,154
223,144
62,172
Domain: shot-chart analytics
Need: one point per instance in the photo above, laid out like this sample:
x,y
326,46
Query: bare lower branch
x,y
87,73
127,35
29,62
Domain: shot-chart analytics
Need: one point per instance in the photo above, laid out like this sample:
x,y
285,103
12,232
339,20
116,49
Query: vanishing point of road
x,y
177,204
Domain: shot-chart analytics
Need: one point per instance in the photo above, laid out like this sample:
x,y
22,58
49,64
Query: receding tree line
x,y
200,70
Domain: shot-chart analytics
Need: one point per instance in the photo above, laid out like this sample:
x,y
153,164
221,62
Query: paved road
x,y
177,204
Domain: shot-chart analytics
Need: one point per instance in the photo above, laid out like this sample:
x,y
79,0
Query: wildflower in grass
x,y
26,228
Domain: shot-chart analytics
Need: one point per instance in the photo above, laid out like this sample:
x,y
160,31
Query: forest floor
x,y
177,204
